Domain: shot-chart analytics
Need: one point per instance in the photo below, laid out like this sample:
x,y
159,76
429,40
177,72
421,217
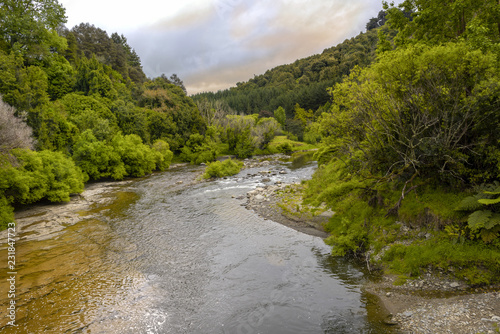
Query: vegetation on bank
x,y
410,156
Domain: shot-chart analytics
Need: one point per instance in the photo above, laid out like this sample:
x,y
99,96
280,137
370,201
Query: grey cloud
x,y
216,47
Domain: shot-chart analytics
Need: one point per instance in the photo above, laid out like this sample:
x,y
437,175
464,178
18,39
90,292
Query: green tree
x,y
437,21
280,116
29,26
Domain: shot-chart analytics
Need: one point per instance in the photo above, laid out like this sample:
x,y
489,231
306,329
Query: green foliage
x,y
403,113
29,27
40,175
285,148
437,22
199,149
137,157
222,168
484,221
280,116
351,238
163,155
98,159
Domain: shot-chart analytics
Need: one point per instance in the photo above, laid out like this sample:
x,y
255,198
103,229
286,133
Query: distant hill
x,y
304,81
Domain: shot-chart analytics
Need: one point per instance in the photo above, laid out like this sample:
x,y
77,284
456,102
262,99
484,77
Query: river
x,y
170,255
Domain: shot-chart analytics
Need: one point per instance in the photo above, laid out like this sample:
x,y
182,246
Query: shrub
x,y
285,148
163,155
221,169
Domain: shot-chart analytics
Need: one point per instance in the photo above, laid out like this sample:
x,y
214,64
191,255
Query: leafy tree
x,y
199,149
163,155
44,174
437,21
280,116
178,82
97,158
419,111
29,26
60,76
138,158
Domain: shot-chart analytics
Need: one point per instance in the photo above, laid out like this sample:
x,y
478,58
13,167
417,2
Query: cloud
x,y
214,46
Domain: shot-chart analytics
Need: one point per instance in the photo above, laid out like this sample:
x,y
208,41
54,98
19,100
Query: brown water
x,y
166,257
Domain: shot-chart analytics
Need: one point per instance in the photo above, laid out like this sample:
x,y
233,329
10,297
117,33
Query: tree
x,y
280,116
436,21
178,82
431,111
29,26
14,133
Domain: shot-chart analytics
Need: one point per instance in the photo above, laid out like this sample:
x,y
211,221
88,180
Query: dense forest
x,y
76,105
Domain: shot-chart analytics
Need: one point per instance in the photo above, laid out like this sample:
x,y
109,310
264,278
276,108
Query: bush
x,y
163,155
97,158
45,174
285,148
198,149
220,169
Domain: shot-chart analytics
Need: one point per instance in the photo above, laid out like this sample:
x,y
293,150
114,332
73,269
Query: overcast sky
x,y
213,44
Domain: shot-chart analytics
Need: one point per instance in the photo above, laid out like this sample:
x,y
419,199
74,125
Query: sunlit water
x,y
172,258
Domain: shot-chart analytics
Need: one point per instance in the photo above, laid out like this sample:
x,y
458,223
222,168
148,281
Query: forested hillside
x,y
301,84
75,105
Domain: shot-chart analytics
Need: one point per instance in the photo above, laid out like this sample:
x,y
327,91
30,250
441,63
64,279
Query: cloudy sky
x,y
213,44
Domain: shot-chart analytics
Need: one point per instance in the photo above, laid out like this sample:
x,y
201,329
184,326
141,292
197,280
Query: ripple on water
x,y
186,258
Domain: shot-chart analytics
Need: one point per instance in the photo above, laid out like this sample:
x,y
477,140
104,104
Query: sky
x,y
213,44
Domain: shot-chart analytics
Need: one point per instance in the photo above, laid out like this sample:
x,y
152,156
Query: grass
x,y
296,145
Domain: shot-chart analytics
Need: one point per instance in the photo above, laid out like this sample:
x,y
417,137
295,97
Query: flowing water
x,y
176,257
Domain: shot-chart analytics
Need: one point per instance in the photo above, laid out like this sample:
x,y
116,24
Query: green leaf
x,y
493,221
470,203
492,192
479,219
488,201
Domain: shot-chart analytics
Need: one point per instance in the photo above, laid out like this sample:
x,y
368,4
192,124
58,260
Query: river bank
x,y
432,304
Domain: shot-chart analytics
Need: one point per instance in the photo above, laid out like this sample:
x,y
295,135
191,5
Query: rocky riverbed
x,y
432,304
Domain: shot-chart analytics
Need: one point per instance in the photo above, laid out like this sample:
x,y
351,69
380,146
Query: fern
x,y
471,203
478,219
485,220
488,201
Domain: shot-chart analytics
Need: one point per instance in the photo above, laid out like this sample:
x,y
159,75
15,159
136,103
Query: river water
x,y
182,257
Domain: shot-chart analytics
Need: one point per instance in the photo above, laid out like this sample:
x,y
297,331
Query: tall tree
x,y
29,26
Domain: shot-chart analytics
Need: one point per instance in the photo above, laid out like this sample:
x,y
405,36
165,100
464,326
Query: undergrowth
x,y
411,231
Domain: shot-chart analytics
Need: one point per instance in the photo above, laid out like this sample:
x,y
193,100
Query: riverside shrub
x,y
220,169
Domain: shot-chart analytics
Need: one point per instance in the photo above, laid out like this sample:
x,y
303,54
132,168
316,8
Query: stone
x,y
407,314
454,285
266,179
259,197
